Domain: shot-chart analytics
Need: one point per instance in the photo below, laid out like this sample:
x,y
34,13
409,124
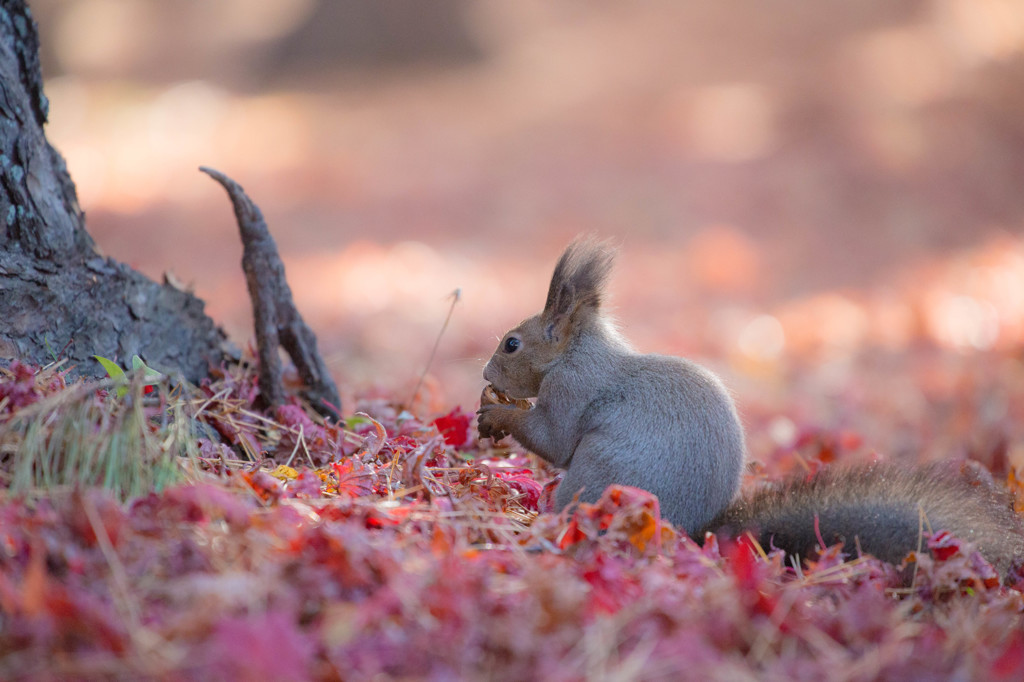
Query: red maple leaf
x,y
454,426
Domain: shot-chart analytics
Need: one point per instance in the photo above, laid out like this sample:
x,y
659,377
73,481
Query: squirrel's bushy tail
x,y
881,509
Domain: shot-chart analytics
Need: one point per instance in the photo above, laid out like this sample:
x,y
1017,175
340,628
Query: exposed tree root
x,y
276,320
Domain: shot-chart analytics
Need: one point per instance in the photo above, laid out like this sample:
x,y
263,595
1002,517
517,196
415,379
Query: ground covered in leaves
x,y
396,547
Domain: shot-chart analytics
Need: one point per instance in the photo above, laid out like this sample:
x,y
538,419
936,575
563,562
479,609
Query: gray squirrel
x,y
610,415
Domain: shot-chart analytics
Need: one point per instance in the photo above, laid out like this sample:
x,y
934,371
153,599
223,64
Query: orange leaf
x,y
644,531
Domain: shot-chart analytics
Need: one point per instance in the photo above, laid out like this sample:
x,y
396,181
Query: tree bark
x,y
58,296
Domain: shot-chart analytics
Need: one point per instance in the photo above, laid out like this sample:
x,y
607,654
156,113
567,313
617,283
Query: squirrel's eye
x,y
511,344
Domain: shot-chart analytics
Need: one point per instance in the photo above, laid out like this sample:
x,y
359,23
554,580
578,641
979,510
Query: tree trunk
x,y
58,297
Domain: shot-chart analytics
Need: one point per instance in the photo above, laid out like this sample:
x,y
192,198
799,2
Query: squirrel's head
x,y
526,353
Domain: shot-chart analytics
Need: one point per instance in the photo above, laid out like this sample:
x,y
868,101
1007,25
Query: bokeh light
x,y
798,183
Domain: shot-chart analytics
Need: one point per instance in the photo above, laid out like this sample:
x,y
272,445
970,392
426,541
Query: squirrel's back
x,y
664,424
881,510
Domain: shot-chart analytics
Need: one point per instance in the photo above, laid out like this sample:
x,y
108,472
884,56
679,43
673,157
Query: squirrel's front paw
x,y
491,421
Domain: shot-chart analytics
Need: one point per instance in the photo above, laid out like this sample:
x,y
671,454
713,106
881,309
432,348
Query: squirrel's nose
x,y
489,372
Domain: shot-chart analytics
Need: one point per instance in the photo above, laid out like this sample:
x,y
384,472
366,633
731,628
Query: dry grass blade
x,y
130,445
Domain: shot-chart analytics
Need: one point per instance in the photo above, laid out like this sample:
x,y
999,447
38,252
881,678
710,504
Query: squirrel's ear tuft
x,y
580,277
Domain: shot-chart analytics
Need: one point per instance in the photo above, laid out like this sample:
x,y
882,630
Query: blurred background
x,y
814,184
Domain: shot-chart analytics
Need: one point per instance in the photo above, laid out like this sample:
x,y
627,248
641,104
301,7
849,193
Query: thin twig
x,y
455,296
122,595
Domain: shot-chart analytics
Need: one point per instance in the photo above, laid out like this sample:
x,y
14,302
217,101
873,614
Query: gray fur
x,y
610,415
879,509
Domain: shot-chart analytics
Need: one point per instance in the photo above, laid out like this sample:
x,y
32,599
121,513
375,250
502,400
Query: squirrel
x,y
608,414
